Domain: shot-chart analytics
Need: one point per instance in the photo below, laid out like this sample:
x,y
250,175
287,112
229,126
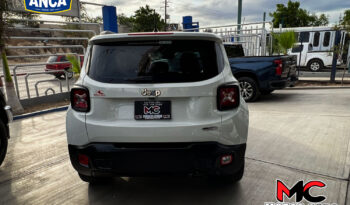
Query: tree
x,y
23,15
147,20
12,97
322,20
345,22
283,41
126,21
294,16
76,67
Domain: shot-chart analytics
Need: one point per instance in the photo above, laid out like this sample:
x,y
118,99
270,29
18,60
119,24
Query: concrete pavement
x,y
294,135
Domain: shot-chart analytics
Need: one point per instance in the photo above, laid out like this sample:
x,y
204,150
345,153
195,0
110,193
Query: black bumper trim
x,y
280,84
145,159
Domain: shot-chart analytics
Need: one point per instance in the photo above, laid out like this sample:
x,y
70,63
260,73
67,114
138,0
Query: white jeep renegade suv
x,y
157,103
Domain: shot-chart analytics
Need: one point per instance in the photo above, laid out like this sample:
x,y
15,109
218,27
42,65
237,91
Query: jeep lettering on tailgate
x,y
154,93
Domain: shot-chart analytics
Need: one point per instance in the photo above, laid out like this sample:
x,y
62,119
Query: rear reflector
x,y
83,160
226,159
80,99
228,97
279,68
149,34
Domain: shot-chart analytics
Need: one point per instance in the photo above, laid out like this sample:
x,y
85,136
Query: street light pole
x,y
239,18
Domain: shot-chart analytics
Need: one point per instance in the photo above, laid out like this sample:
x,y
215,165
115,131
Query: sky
x,y
222,12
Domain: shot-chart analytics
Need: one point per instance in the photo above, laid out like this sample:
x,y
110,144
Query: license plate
x,y
152,110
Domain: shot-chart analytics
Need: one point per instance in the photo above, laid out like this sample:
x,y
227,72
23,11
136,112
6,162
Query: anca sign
x,y
48,6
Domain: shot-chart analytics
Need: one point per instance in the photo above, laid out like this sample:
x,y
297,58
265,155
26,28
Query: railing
x,y
54,29
253,39
15,75
41,47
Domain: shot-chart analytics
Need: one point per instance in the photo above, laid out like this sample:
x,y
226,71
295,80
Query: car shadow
x,y
163,190
276,97
6,173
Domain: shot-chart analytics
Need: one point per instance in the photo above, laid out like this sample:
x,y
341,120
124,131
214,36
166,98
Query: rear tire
x,y
3,142
315,65
58,76
249,89
70,74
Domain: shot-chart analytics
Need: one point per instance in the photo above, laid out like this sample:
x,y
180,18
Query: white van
x,y
157,103
314,60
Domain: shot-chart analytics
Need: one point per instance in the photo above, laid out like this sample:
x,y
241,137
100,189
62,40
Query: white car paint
x,y
194,107
308,54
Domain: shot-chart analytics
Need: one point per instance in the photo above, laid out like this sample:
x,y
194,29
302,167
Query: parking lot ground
x,y
294,135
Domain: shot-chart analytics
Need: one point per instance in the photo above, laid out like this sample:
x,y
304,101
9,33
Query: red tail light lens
x,y
279,67
228,97
83,160
80,99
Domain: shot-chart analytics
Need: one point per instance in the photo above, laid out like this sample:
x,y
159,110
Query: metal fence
x,y
252,36
33,80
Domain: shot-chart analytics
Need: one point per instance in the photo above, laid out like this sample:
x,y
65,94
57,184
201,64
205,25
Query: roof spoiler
x,y
107,32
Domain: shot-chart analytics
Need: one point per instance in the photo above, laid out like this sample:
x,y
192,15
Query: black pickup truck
x,y
5,119
260,75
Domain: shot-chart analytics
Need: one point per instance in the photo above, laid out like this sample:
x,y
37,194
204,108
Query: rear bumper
x,y
280,84
142,159
58,71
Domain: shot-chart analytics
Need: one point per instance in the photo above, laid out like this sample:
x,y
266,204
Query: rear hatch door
x,y
153,91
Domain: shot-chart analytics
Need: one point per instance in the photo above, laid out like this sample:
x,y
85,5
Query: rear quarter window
x,y
234,51
154,61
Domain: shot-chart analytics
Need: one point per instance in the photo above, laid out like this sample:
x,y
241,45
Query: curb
x,y
318,87
33,114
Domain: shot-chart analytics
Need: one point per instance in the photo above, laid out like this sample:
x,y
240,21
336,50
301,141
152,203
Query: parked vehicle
x,y
63,64
5,119
260,74
157,103
314,60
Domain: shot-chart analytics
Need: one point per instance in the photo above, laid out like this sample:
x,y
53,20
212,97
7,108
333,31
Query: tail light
x,y
228,97
83,160
279,67
80,99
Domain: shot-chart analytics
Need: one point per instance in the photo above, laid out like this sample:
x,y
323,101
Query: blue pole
x,y
110,18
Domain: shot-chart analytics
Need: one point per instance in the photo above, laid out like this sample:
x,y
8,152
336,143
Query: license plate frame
x,y
152,110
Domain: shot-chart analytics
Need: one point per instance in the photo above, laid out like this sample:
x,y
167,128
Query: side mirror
x,y
310,47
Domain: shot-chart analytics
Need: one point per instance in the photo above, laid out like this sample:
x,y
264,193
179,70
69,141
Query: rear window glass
x,y
234,51
63,59
153,62
317,39
52,59
327,37
304,37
